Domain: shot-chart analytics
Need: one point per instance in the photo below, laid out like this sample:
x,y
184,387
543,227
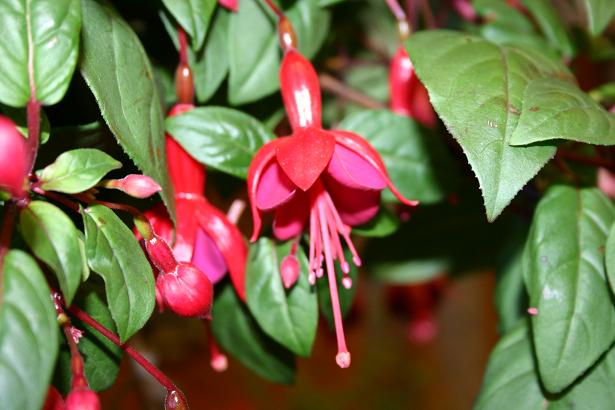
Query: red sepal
x,y
300,91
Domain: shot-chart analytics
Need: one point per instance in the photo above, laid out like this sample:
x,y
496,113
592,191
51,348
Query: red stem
x,y
142,361
58,198
183,46
76,360
33,112
396,9
275,9
583,159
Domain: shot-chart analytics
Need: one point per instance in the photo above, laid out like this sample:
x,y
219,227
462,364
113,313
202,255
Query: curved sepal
x,y
300,91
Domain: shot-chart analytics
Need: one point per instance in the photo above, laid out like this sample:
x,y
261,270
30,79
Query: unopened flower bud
x,y
135,185
289,270
175,400
160,254
186,291
13,159
82,398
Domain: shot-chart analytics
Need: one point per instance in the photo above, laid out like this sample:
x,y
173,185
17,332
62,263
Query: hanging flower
x,y
325,181
203,234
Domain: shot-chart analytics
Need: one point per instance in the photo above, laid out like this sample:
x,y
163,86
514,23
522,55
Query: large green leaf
x,y
219,137
311,24
288,316
599,14
253,54
53,238
76,170
416,159
511,378
101,357
480,98
39,47
563,266
28,334
193,16
238,333
114,253
556,109
119,74
610,258
551,24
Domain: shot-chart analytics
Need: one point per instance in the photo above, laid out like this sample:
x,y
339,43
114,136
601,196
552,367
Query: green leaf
x,y
77,170
511,376
599,14
556,109
290,316
101,357
118,72
40,45
551,24
482,115
610,258
311,24
221,138
114,253
416,159
253,54
53,238
238,333
383,224
563,266
28,333
346,296
193,16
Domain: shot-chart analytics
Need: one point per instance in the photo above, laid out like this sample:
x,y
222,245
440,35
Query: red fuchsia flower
x,y
325,181
53,400
82,399
232,5
14,159
409,96
203,234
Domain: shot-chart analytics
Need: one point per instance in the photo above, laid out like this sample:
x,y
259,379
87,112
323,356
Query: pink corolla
x,y
322,181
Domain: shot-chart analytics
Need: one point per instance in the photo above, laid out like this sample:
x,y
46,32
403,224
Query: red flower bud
x,y
135,185
82,398
13,159
289,270
54,400
160,254
186,291
175,400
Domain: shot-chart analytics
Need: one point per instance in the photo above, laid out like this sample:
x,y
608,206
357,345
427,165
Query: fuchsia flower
x,y
409,96
324,180
14,159
232,5
203,234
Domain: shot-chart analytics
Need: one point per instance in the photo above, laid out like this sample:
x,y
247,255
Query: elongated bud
x,y
286,34
82,398
300,91
13,159
175,400
135,185
289,270
186,291
184,84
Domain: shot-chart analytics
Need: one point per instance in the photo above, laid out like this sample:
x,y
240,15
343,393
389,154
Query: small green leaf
x,y
482,115
563,266
346,296
28,333
114,253
101,357
221,138
193,16
53,238
118,72
556,109
510,376
415,158
253,54
77,170
238,333
289,316
311,24
383,224
551,24
599,14
40,45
